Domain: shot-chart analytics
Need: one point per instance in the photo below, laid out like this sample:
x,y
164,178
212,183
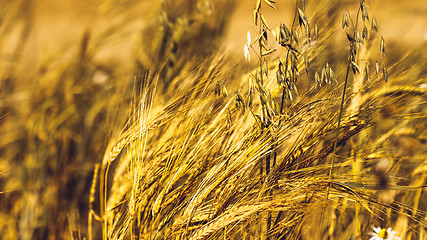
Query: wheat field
x,y
213,119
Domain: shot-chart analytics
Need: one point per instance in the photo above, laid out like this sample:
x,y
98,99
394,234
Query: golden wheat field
x,y
213,119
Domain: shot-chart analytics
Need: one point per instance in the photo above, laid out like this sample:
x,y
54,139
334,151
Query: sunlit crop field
x,y
213,119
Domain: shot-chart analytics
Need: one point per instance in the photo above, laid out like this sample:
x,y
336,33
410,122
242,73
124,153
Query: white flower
x,y
247,56
384,234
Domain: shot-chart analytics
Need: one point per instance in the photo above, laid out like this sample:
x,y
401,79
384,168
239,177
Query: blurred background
x,y
69,70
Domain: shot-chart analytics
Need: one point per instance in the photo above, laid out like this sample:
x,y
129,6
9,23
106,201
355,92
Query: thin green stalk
x,y
261,171
339,122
